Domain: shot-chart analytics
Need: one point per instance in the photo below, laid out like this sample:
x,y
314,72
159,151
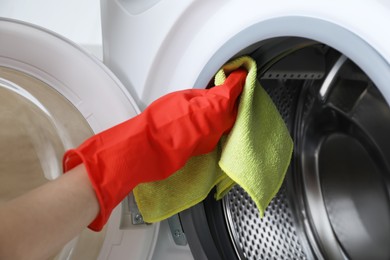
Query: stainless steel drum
x,y
334,203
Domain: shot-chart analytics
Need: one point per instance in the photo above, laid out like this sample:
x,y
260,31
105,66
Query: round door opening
x,y
334,202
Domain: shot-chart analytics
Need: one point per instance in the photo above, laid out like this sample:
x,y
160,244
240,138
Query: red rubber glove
x,y
157,142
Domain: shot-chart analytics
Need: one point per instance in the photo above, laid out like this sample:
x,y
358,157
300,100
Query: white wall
x,y
77,20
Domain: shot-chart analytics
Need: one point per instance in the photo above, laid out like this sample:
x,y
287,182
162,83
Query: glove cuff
x,y
72,158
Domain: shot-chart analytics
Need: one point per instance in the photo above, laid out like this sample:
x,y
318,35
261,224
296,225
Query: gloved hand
x,y
157,142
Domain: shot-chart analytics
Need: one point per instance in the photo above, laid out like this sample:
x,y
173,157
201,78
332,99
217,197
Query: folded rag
x,y
255,155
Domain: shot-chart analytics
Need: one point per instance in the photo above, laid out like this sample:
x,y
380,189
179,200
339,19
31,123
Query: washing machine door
x,y
53,95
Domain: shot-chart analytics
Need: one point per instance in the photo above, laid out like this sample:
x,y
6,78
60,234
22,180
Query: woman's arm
x,y
39,223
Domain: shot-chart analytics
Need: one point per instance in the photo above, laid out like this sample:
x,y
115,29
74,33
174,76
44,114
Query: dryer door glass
x,y
37,125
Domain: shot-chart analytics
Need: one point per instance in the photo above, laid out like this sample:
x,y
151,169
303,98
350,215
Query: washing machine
x,y
326,66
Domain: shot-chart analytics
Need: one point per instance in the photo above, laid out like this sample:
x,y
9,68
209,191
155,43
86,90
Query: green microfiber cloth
x,y
255,155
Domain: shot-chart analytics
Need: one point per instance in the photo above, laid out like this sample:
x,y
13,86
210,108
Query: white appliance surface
x,y
170,45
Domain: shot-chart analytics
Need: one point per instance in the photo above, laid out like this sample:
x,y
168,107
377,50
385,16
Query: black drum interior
x,y
334,202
